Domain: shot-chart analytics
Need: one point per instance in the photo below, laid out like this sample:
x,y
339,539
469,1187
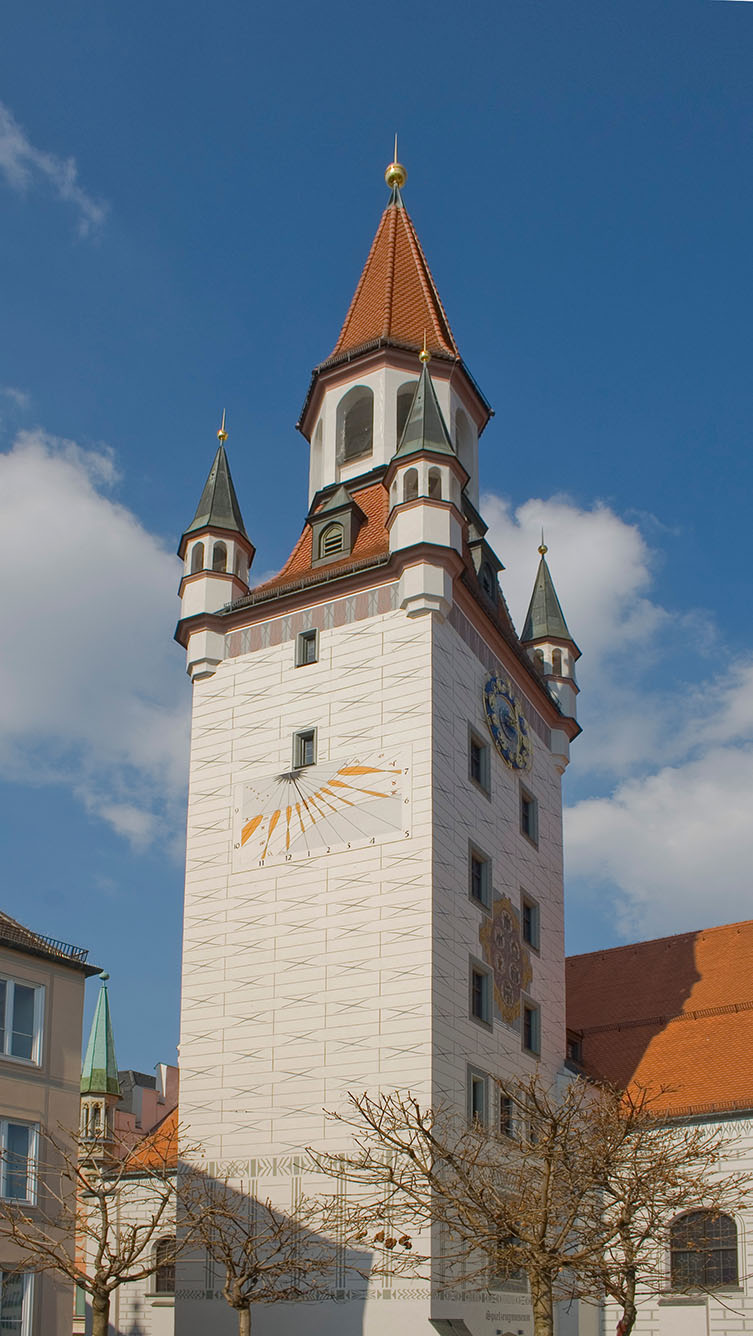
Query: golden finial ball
x,y
396,175
543,549
424,356
222,436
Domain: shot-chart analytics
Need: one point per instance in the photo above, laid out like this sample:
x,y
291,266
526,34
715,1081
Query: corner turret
x,y
217,555
100,1087
548,641
425,480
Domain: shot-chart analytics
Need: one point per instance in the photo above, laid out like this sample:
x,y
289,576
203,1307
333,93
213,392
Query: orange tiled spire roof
x,y
396,299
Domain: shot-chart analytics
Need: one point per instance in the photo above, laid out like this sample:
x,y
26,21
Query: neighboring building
x,y
41,1009
134,1117
676,1016
374,858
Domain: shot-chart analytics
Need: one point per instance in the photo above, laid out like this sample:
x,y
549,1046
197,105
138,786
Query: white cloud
x,y
18,397
24,166
91,690
667,745
674,849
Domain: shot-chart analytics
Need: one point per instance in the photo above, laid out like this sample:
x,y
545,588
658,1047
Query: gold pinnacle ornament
x,y
396,174
543,549
424,355
222,434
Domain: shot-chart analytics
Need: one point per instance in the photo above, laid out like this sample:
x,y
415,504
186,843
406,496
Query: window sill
x,y
24,1062
696,1300
480,904
161,1300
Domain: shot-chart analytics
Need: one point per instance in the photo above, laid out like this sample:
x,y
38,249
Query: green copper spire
x,y
425,427
545,619
218,506
99,1075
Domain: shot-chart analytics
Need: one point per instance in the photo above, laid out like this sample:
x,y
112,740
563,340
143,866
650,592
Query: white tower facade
x,y
374,856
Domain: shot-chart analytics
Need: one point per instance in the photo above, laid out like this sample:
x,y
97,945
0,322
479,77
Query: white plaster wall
x,y
135,1309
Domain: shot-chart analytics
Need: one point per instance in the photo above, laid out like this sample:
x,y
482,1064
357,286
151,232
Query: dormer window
x,y
331,541
355,424
486,576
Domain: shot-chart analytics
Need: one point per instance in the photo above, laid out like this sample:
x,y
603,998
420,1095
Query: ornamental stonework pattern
x,y
510,960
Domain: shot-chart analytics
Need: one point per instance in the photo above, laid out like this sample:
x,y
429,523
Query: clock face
x,y
507,723
321,809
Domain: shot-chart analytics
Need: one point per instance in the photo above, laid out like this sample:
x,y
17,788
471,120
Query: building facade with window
x,y
675,1015
41,1009
374,857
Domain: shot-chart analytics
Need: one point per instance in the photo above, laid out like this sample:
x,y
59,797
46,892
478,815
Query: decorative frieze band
x,y
322,617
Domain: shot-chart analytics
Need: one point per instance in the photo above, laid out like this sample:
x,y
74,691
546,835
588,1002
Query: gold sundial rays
x,y
315,804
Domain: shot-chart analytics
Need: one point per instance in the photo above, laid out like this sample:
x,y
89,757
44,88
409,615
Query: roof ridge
x,y
655,941
724,1009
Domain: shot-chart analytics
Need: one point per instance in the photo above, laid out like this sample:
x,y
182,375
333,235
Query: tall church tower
x,y
374,858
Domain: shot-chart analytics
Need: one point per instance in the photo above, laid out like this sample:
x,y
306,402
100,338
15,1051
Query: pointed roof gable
x,y
545,619
396,299
425,427
99,1074
218,507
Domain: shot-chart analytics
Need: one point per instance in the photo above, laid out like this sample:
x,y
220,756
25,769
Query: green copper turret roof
x,y
99,1075
425,427
218,507
545,619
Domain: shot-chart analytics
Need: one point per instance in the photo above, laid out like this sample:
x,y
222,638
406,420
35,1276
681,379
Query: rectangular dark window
x,y
531,1028
477,1096
14,1304
529,817
506,1115
480,878
481,995
15,1149
306,648
530,922
304,748
479,769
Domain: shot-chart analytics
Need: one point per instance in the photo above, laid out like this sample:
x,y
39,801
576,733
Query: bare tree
x,y
664,1168
539,1194
96,1221
266,1255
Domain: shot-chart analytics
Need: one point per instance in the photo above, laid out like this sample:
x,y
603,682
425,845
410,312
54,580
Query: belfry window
x,y
197,558
435,484
557,662
331,540
355,422
410,485
404,401
219,557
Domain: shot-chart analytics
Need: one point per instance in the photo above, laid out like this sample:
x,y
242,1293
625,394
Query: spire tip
x,y
222,434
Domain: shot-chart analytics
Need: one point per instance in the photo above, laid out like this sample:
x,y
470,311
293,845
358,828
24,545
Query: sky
x,y
187,197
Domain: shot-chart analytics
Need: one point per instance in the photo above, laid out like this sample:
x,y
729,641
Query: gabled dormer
x,y
334,525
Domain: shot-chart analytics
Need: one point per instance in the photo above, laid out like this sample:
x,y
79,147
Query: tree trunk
x,y
100,1314
629,1310
244,1322
543,1306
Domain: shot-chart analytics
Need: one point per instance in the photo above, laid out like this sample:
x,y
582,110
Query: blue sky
x,y
187,197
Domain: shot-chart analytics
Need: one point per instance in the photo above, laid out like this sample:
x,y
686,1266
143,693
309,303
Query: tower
x,y
548,641
100,1088
374,855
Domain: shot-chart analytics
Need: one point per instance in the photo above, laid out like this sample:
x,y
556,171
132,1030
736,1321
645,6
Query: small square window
x,y
306,648
304,748
531,1028
481,994
479,877
529,816
479,771
529,913
477,1096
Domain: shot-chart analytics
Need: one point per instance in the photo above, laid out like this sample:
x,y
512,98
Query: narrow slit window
x,y
304,748
306,648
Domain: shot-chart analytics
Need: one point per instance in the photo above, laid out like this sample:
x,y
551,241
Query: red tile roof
x,y
396,298
674,1013
158,1150
372,540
